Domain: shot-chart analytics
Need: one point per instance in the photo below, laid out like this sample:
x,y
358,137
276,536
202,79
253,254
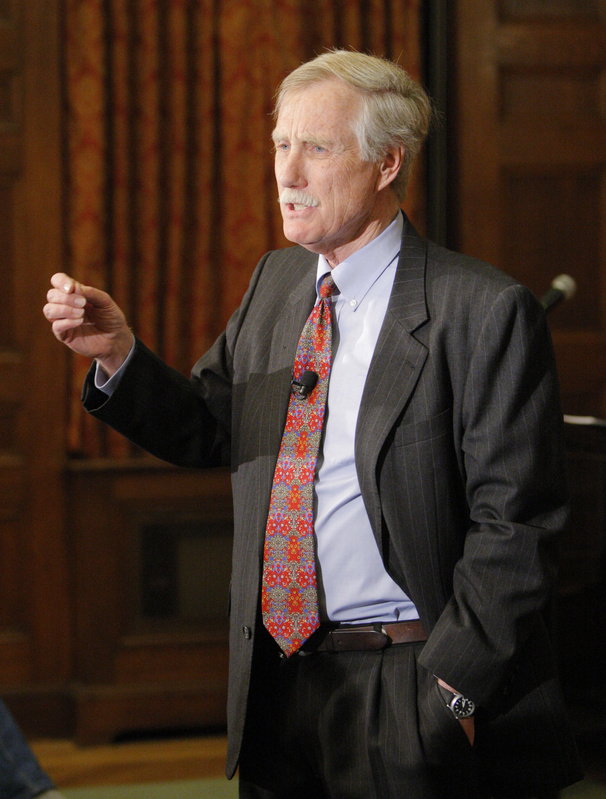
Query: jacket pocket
x,y
424,430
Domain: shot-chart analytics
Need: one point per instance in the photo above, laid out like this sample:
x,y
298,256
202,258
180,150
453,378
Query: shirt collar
x,y
355,276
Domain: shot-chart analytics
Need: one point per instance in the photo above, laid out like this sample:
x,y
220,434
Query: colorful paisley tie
x,y
289,590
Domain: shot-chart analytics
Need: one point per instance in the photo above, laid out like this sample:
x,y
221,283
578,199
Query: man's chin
x,y
312,246
298,235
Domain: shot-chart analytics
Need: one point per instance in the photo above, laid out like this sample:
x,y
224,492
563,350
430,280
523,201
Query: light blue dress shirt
x,y
354,585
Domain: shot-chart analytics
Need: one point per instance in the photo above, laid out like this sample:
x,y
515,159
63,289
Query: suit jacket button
x,y
247,633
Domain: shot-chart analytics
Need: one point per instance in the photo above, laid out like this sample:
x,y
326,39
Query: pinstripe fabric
x,y
354,734
459,458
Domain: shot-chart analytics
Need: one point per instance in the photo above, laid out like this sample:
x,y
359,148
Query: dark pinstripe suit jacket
x,y
459,458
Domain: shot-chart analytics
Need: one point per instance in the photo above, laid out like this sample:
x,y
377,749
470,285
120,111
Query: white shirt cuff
x,y
109,384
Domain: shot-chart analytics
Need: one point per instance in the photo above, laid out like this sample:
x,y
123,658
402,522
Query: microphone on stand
x,y
562,287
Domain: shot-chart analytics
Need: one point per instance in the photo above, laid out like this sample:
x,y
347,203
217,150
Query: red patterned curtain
x,y
170,198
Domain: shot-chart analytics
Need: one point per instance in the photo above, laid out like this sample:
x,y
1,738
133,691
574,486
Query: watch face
x,y
462,707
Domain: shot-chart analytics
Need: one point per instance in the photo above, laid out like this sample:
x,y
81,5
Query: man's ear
x,y
390,165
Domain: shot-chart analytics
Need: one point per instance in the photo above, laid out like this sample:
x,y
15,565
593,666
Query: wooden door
x,y
528,153
34,629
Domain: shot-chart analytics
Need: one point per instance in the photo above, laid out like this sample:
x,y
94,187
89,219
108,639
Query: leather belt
x,y
364,637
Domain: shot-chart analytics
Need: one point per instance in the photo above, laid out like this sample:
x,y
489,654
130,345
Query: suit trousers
x,y
352,725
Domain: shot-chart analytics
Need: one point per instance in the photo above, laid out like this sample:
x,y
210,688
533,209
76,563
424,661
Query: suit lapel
x,y
289,325
395,367
298,270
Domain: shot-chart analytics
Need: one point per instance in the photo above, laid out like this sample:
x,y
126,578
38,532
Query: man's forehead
x,y
321,111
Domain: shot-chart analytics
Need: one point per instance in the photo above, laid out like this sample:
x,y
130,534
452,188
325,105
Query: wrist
x,y
120,351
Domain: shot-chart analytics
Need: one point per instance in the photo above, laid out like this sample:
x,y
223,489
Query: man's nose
x,y
290,170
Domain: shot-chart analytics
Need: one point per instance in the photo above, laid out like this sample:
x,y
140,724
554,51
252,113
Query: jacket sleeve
x,y
183,421
159,410
513,460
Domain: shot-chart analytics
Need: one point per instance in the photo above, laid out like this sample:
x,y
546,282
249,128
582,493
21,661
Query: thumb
x,y
91,294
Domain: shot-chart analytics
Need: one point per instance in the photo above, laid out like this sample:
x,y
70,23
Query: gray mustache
x,y
297,197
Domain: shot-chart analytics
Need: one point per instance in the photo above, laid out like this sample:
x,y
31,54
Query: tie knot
x,y
327,287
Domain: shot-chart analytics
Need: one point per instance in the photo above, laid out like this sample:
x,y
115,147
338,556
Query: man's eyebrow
x,y
318,141
315,141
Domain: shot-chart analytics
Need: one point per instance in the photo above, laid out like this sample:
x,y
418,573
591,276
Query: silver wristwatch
x,y
461,706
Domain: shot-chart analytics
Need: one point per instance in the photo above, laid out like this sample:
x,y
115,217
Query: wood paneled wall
x,y
528,136
143,658
35,641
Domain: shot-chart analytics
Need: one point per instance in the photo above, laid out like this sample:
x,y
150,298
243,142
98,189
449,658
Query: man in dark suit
x,y
439,490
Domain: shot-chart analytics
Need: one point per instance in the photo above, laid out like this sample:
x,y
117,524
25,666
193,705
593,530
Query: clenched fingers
x,y
64,311
60,304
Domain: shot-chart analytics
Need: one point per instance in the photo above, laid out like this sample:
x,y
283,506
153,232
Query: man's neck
x,y
374,228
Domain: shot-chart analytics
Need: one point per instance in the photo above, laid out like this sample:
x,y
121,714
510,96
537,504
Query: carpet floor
x,y
222,789
190,789
192,768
